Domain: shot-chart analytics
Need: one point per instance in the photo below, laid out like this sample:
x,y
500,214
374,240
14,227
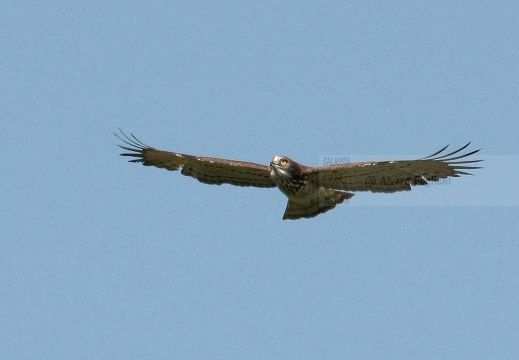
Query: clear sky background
x,y
102,259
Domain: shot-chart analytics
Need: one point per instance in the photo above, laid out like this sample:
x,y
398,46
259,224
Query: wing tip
x,y
136,147
130,140
449,158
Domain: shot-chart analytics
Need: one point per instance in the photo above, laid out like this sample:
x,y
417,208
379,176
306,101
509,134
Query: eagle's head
x,y
287,174
284,166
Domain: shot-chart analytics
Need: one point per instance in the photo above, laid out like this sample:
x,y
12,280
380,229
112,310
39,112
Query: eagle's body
x,y
306,198
310,191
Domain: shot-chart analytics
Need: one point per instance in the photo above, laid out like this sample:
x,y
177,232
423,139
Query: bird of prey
x,y
310,190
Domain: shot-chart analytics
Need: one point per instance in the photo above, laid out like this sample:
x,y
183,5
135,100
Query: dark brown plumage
x,y
310,190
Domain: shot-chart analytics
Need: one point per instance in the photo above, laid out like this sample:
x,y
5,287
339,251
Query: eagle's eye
x,y
284,161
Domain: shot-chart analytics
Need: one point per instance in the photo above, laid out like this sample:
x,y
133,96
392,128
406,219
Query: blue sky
x,y
104,259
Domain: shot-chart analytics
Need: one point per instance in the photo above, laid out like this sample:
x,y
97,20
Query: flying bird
x,y
310,190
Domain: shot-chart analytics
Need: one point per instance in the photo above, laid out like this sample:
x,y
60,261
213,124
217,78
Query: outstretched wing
x,y
205,169
391,176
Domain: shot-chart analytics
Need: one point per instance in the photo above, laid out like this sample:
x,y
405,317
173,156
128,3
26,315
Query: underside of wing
x,y
392,176
205,169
